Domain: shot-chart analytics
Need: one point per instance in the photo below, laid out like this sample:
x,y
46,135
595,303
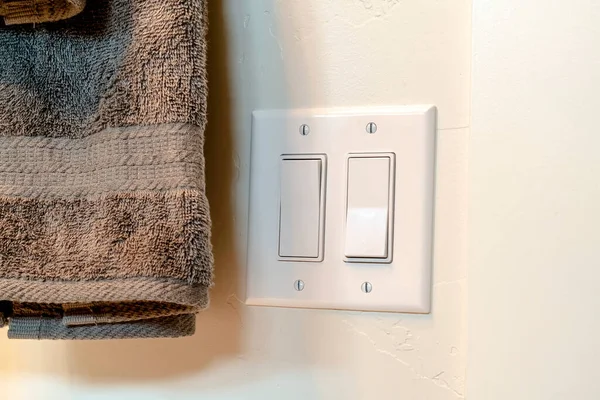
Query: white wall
x,y
299,53
534,201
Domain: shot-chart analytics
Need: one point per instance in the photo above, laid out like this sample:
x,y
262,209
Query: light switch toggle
x,y
369,208
302,207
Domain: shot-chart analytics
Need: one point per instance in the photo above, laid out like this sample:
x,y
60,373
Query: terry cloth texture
x,y
104,221
37,11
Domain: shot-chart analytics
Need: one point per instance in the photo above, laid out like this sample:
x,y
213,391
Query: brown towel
x,y
104,221
38,11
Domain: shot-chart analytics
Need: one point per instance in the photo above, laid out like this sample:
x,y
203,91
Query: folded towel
x,y
37,11
104,221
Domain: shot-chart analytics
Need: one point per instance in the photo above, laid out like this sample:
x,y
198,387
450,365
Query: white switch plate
x,y
402,285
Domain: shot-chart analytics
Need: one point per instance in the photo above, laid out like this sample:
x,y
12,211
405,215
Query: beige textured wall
x,y
285,54
534,201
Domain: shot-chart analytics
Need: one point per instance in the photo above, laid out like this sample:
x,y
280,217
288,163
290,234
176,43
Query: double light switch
x,y
341,208
369,199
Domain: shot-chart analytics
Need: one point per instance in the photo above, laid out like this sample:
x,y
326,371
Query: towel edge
x,y
111,290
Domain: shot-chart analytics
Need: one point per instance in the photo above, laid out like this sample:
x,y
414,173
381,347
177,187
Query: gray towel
x,y
104,222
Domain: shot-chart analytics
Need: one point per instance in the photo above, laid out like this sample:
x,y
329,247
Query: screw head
x,y
366,287
371,127
299,285
304,129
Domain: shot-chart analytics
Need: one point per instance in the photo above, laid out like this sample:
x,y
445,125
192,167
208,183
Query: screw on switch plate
x,y
299,285
304,129
371,127
366,287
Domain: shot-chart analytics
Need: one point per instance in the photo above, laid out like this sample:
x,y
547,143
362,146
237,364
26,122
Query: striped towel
x,y
104,221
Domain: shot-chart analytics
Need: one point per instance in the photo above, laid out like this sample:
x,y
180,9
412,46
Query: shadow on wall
x,y
217,332
262,80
